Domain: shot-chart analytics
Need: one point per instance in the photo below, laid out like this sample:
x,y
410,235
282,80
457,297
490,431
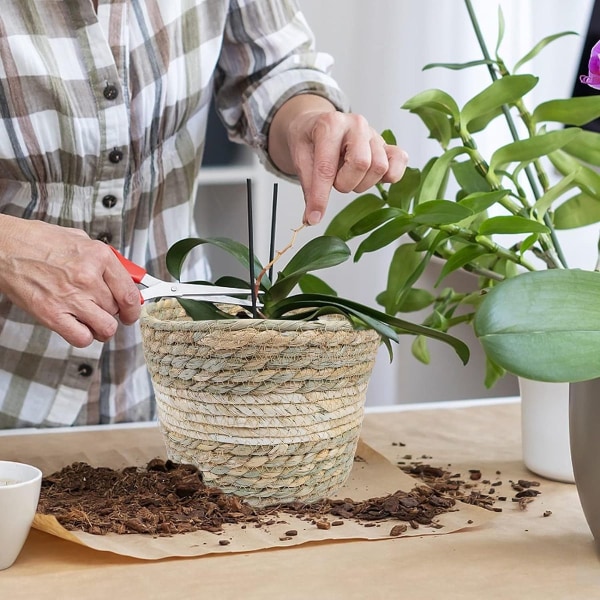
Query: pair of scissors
x,y
157,288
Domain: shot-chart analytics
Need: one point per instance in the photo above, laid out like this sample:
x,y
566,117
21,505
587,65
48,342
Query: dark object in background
x,y
219,151
593,35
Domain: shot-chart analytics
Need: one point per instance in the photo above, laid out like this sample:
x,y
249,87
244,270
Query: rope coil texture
x,y
268,410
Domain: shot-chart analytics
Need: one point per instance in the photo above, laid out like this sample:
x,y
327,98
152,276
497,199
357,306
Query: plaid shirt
x,y
102,125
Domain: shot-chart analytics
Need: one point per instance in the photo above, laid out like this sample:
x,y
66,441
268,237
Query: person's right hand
x,y
70,283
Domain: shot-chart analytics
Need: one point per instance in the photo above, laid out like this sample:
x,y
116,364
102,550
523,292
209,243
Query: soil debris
x,y
165,498
477,491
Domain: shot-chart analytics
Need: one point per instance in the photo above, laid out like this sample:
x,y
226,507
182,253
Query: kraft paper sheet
x,y
372,477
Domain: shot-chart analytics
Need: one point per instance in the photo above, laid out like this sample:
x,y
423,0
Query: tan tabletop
x,y
519,554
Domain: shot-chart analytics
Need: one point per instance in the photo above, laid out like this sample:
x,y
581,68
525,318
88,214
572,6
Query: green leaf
x,y
554,193
480,123
368,316
468,177
353,212
403,264
402,192
441,212
389,137
375,219
420,350
479,202
532,148
415,299
438,124
179,251
402,275
511,224
459,259
177,254
577,211
493,373
501,28
459,66
436,100
571,111
528,242
585,147
438,173
586,179
539,47
229,281
199,310
384,235
377,320
319,253
311,284
506,90
437,320
544,325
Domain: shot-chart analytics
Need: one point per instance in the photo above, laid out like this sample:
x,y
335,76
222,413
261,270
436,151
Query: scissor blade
x,y
224,300
196,291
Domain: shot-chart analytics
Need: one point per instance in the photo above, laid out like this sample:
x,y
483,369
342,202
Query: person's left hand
x,y
329,149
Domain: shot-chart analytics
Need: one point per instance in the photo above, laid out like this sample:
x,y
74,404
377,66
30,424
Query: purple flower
x,y
593,79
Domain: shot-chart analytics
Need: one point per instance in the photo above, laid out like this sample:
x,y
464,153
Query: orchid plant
x,y
564,347
461,204
316,298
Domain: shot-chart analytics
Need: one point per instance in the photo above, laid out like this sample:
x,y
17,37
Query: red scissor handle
x,y
137,273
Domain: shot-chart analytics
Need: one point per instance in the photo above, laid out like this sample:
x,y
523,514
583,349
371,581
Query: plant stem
x,y
466,318
278,255
483,168
513,130
485,242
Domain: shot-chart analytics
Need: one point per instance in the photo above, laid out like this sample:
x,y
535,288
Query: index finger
x,y
325,166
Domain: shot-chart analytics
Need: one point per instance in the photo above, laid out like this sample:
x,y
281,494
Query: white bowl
x,y
19,494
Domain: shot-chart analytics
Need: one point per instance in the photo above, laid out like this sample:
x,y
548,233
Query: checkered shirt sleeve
x,y
102,128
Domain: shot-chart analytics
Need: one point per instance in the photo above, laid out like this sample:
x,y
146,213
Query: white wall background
x,y
380,47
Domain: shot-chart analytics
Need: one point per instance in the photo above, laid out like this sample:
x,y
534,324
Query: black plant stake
x,y
273,221
251,247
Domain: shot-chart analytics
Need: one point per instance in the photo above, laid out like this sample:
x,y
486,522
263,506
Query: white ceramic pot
x,y
545,429
19,494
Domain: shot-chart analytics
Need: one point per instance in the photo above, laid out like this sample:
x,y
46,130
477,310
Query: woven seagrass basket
x,y
268,410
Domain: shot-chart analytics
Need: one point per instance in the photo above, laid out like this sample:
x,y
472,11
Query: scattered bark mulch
x,y
165,498
475,490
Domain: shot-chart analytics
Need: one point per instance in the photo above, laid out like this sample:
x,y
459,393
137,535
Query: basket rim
x,y
324,323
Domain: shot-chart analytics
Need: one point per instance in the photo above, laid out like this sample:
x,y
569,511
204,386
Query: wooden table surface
x,y
519,554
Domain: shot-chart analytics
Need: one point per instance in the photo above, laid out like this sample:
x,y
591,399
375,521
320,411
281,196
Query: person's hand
x,y
329,149
70,283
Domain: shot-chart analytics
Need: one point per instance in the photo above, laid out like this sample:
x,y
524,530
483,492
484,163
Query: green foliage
x,y
461,206
317,299
544,325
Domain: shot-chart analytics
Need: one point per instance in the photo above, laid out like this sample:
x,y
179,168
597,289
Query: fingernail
x,y
314,218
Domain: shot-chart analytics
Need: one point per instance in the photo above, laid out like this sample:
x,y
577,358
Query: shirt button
x,y
115,156
85,370
105,237
111,92
109,201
